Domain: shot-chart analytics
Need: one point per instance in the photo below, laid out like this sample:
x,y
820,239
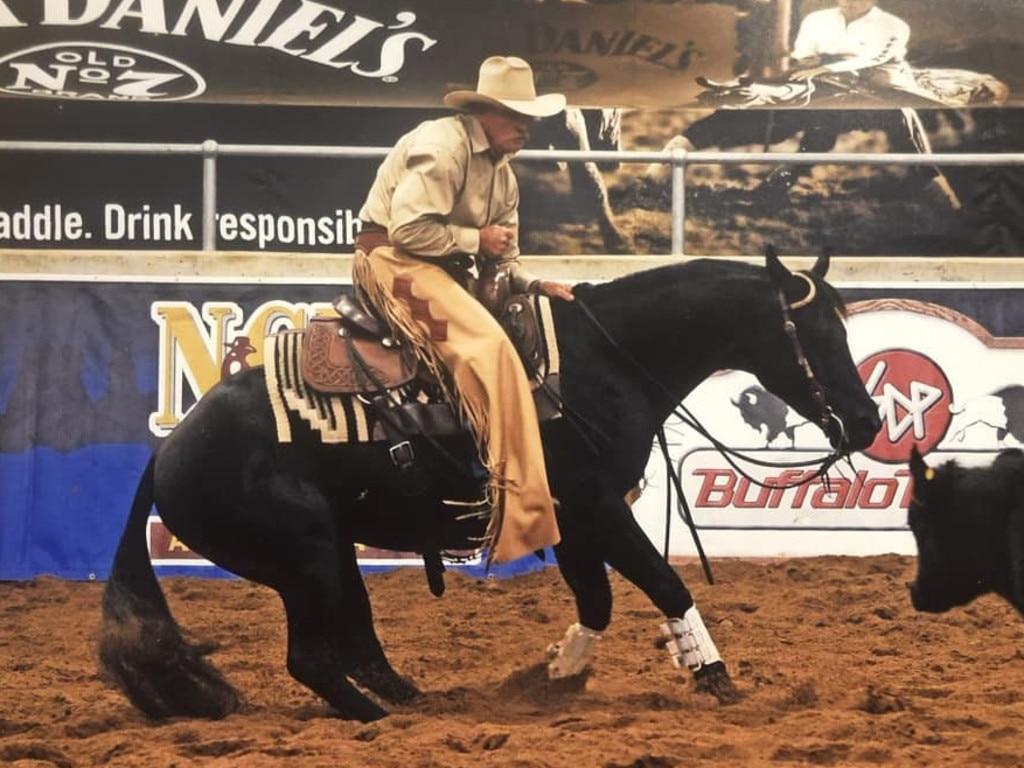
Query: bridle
x,y
825,416
826,413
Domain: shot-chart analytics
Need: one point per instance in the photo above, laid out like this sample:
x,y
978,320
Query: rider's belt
x,y
375,236
371,236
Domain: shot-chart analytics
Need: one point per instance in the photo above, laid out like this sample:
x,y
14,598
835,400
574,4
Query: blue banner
x,y
92,376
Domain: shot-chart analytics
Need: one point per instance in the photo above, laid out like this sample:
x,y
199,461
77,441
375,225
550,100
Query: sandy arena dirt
x,y
835,666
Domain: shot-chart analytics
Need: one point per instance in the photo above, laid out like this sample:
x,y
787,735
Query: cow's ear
x,y
919,470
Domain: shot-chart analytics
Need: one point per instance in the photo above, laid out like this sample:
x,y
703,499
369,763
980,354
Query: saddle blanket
x,y
340,418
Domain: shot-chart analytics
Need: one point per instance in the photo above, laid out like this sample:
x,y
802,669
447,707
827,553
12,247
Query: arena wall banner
x,y
352,52
946,367
95,372
60,71
631,53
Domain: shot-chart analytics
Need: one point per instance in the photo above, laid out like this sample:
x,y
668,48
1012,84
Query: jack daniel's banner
x,y
366,52
625,53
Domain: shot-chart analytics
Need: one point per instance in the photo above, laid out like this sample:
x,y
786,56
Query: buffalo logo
x,y
913,396
97,71
768,414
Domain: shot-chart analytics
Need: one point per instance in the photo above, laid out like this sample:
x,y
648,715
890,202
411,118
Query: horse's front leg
x,y
688,640
581,561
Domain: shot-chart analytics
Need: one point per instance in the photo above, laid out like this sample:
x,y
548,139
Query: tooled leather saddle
x,y
355,353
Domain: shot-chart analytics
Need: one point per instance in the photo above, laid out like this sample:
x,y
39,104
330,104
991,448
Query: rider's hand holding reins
x,y
802,70
495,240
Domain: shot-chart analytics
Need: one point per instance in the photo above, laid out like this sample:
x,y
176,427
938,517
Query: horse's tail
x,y
141,648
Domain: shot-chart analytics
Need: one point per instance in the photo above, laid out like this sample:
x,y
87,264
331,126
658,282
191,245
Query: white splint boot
x,y
573,652
689,643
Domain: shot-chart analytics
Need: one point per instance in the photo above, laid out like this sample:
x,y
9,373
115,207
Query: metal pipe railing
x,y
678,159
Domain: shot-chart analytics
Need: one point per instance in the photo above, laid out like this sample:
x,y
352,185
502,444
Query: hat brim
x,y
543,106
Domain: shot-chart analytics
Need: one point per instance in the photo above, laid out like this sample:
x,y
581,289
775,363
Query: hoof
x,y
714,679
400,691
387,684
365,713
570,655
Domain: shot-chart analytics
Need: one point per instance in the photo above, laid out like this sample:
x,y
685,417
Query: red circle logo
x,y
913,396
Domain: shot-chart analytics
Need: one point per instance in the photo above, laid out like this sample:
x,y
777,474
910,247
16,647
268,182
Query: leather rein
x,y
826,414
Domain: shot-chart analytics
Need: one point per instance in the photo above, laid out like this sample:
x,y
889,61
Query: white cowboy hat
x,y
507,81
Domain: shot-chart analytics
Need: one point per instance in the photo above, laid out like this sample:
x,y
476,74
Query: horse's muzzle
x,y
855,436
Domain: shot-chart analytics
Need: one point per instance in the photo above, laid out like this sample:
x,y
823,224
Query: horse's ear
x,y
820,268
779,272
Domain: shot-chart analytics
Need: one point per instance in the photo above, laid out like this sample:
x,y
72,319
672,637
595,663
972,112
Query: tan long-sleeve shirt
x,y
439,186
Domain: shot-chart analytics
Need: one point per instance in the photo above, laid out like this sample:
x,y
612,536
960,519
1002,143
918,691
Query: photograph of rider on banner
x,y
852,52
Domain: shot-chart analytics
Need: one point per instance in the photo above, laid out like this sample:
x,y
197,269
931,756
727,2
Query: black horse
x,y
288,515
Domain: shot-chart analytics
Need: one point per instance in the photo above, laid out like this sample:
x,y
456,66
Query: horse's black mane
x,y
645,281
650,281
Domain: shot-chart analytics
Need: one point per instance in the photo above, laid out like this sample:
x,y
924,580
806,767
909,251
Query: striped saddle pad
x,y
351,418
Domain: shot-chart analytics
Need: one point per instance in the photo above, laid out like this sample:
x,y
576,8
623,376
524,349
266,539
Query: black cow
x,y
968,523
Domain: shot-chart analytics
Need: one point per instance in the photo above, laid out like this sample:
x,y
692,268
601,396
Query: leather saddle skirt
x,y
355,354
340,357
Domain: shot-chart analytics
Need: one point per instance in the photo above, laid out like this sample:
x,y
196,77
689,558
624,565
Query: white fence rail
x,y
210,150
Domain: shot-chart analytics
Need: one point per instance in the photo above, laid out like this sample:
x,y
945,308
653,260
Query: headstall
x,y
817,390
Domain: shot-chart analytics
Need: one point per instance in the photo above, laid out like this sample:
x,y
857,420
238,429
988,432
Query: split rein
x,y
681,412
827,415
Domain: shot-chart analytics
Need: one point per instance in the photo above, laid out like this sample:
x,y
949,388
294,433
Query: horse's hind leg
x,y
315,658
319,654
365,659
285,535
331,637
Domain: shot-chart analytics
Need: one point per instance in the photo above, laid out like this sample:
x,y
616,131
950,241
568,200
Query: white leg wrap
x,y
573,652
689,643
